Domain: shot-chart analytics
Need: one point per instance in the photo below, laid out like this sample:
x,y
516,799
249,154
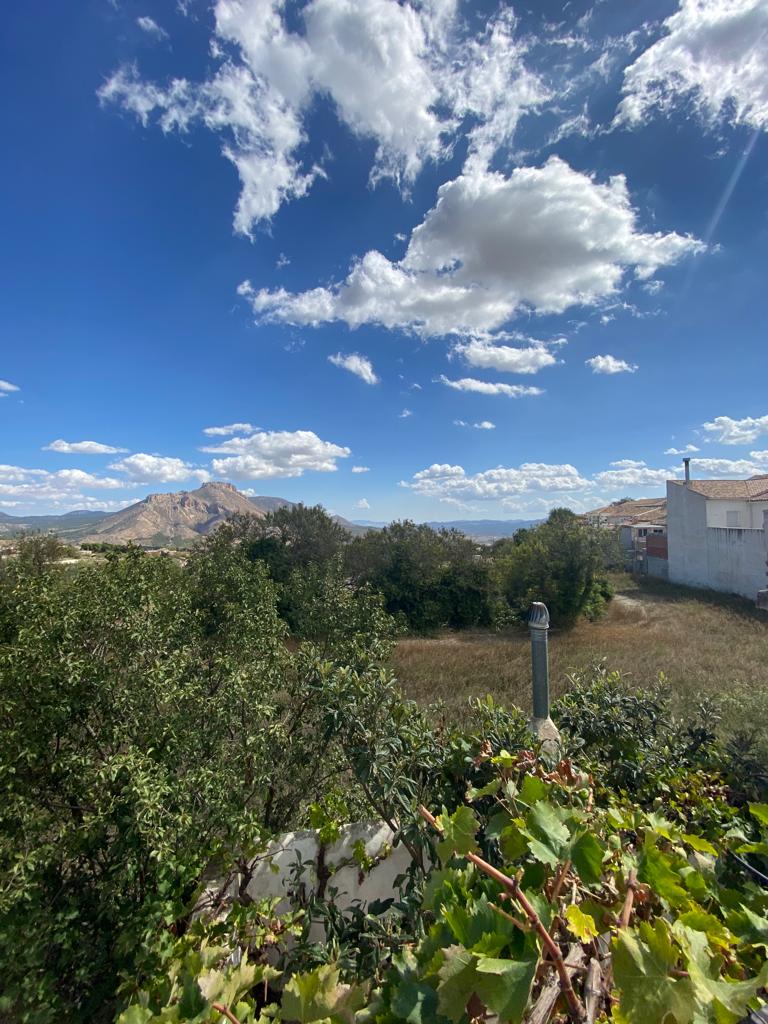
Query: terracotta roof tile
x,y
649,510
755,489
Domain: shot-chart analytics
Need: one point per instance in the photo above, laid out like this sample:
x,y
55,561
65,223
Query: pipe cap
x,y
538,617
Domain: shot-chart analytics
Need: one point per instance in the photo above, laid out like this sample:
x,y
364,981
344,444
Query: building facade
x,y
718,534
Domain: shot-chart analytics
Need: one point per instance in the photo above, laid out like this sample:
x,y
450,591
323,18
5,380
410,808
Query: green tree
x,y
38,551
153,718
561,562
288,538
431,578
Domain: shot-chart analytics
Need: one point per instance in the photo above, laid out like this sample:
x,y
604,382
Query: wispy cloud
x,y
359,365
682,451
150,26
229,428
82,448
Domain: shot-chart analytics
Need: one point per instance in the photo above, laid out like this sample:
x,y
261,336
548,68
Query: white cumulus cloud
x,y
506,358
63,489
162,469
610,364
361,469
362,505
447,481
636,475
411,76
82,448
730,431
6,388
276,453
357,364
755,465
544,238
712,52
484,387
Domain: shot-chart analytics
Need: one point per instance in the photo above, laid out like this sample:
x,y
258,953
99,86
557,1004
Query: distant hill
x,y
486,529
69,526
483,530
168,520
159,520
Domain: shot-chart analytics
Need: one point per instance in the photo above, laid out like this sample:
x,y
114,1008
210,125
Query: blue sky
x,y
431,259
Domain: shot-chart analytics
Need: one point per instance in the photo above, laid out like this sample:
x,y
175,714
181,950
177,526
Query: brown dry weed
x,y
704,643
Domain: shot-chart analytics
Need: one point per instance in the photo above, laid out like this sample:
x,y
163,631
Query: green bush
x,y
561,562
285,540
541,868
429,578
152,720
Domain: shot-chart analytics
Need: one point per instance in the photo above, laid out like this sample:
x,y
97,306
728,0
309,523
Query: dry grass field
x,y
703,643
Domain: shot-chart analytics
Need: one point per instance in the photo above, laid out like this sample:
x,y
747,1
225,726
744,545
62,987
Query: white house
x,y
718,534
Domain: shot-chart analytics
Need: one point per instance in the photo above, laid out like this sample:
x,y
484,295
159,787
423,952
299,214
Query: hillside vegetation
x,y
161,719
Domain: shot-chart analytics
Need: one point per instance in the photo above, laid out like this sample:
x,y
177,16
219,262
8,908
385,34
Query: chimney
x,y
687,464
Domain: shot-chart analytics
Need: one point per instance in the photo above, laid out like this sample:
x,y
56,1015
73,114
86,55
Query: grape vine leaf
x,y
513,843
716,932
710,990
587,856
505,985
135,1015
699,844
549,835
642,961
581,924
655,869
317,995
533,789
458,976
759,811
459,830
414,1002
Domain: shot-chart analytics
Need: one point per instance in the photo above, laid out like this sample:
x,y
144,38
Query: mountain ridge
x,y
173,519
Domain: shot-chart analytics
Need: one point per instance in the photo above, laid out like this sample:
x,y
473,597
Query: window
x,y
733,519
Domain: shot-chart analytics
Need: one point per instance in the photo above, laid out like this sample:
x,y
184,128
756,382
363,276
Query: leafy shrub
x,y
152,720
287,539
561,562
647,913
633,735
430,578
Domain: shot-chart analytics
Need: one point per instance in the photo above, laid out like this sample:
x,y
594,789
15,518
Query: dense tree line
x,y
431,578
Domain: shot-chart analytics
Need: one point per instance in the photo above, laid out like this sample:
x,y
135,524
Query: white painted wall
x,y
750,513
271,872
729,560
